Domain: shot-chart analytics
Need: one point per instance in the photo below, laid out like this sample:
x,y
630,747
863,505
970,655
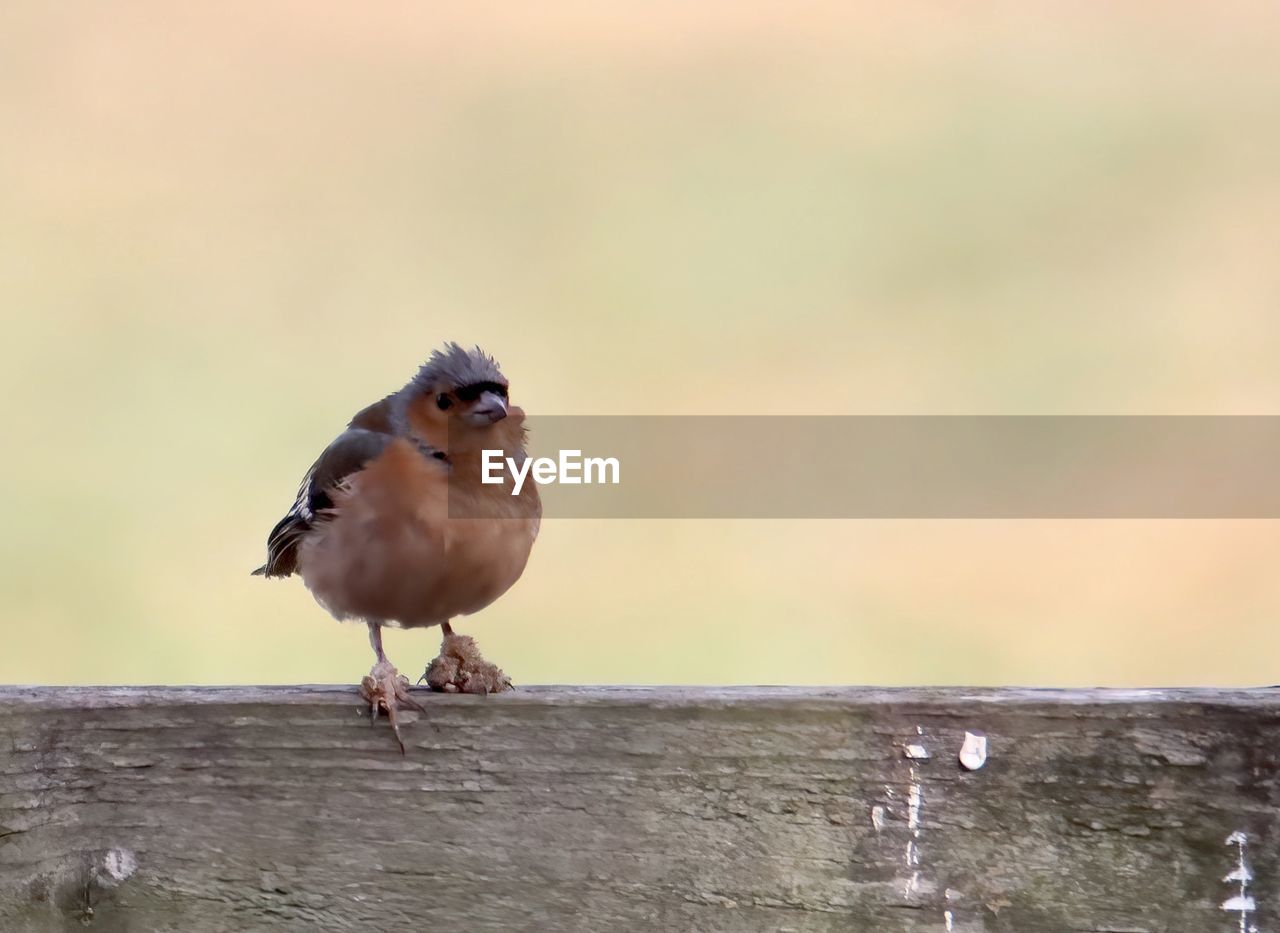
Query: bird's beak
x,y
490,409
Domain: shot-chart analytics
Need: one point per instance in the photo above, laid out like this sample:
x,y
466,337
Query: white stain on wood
x,y
916,751
973,752
915,800
915,803
877,817
949,915
120,864
1242,901
915,806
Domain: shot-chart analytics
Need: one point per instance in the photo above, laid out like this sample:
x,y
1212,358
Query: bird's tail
x,y
282,546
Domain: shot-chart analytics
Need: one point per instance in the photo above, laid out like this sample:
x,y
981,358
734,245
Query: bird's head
x,y
459,395
466,385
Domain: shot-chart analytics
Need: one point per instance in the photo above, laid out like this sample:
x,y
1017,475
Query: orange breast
x,y
392,554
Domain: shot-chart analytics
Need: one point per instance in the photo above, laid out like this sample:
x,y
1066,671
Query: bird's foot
x,y
387,690
460,668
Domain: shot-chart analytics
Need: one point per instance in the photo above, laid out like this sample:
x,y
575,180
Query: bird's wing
x,y
376,417
348,454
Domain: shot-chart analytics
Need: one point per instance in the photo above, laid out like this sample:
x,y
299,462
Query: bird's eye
x,y
443,401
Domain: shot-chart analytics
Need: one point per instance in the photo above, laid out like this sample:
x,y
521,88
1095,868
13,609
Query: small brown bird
x,y
393,526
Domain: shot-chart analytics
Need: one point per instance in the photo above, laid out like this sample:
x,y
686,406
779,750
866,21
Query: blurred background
x,y
226,226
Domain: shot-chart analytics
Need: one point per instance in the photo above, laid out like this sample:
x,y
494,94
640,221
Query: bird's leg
x,y
460,668
385,688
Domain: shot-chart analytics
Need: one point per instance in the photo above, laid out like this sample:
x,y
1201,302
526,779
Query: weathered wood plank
x,y
591,809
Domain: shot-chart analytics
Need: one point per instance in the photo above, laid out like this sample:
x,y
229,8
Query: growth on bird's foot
x,y
386,689
460,668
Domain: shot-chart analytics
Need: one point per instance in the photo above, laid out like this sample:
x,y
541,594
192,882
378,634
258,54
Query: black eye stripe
x,y
472,392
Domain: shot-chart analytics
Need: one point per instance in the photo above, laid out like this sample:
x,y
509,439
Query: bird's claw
x,y
460,668
386,689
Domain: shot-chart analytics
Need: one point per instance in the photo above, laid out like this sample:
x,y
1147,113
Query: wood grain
x,y
638,809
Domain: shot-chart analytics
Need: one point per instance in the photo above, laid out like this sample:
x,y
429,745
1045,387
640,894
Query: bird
x,y
396,525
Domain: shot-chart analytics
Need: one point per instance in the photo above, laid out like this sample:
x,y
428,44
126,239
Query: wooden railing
x,y
641,809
